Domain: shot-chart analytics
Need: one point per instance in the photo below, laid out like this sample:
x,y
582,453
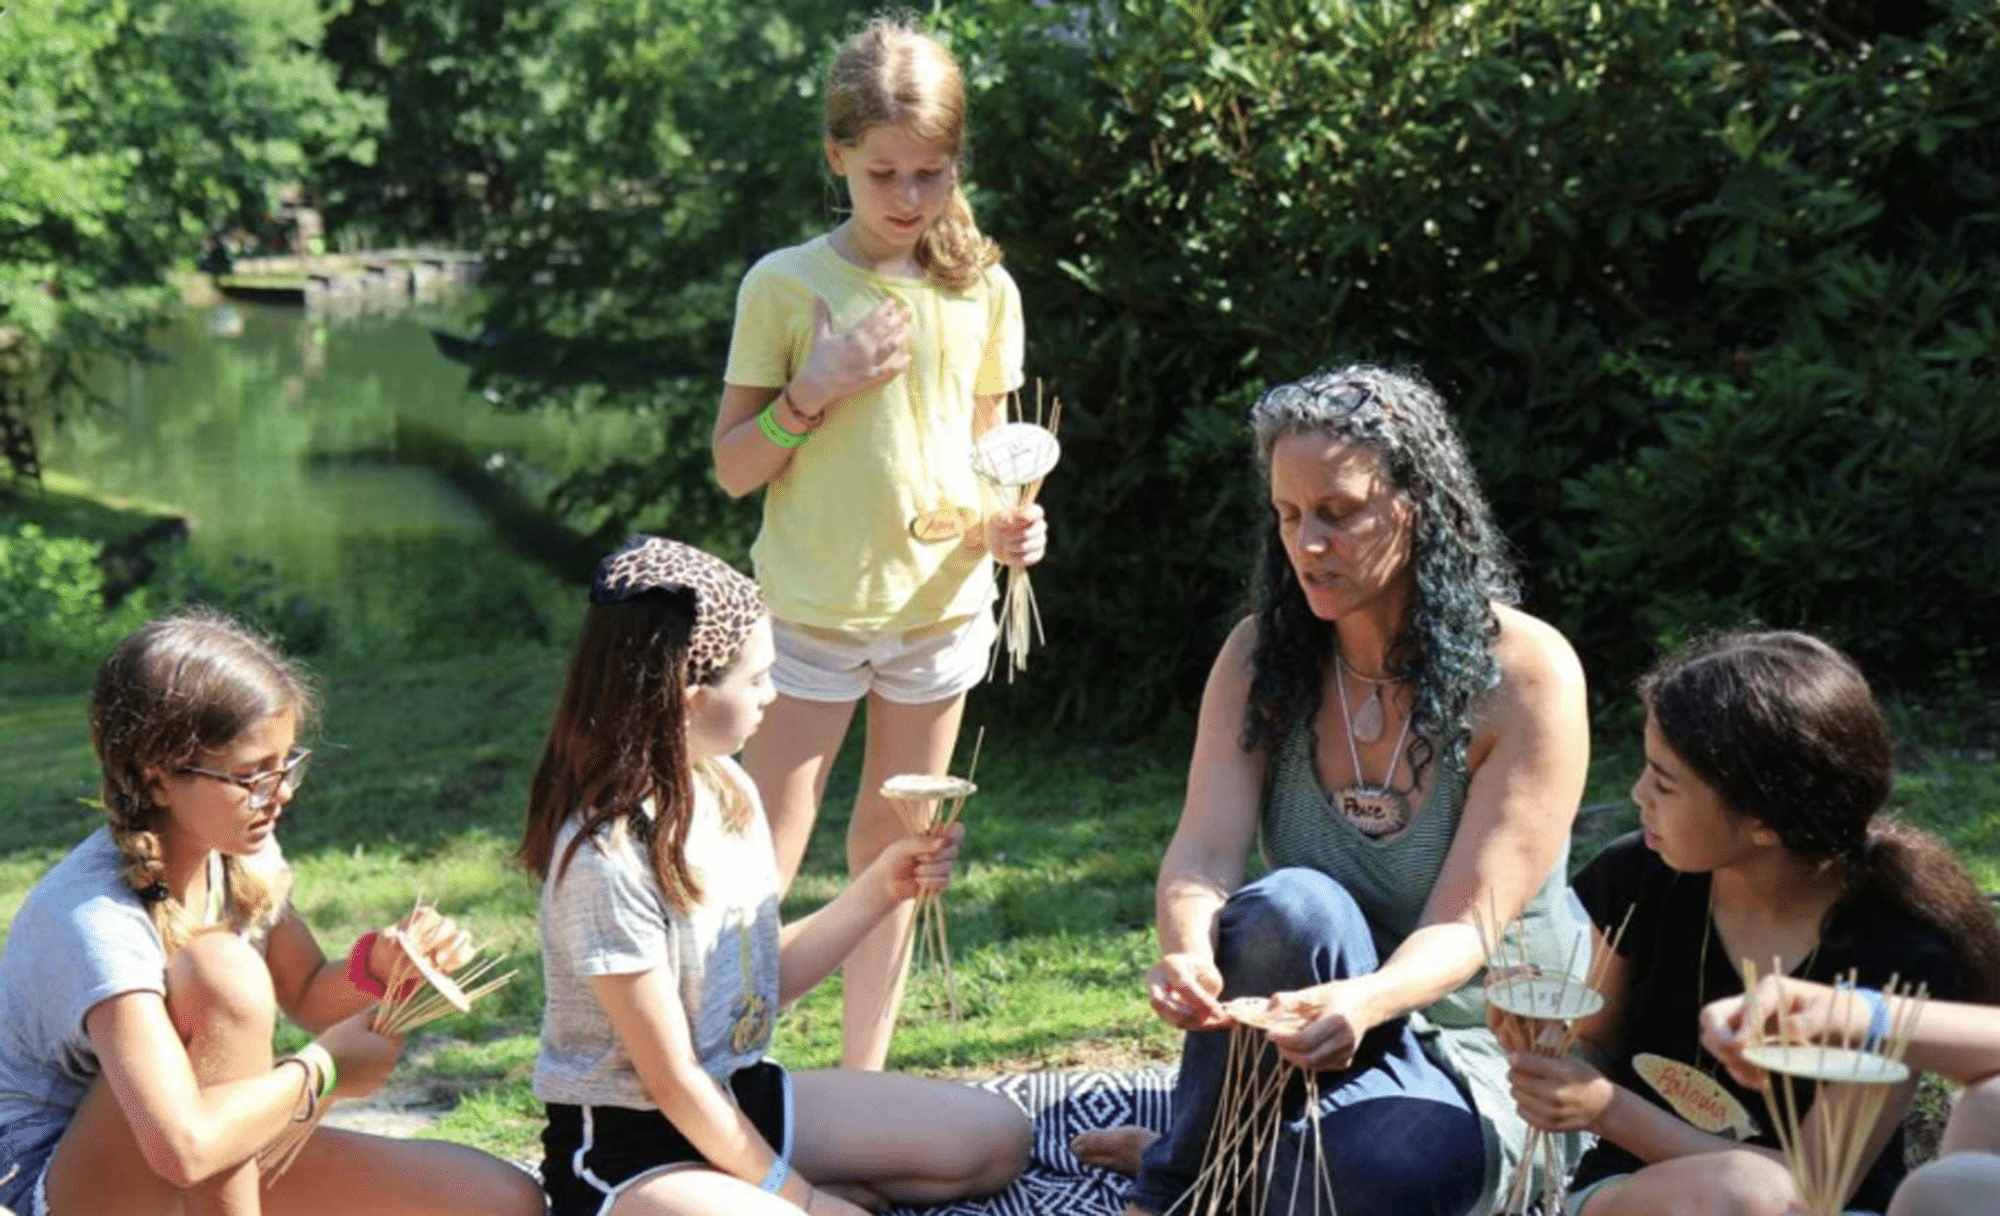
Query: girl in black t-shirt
x,y
1767,760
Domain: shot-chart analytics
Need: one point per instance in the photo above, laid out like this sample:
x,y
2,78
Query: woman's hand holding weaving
x,y
1336,1017
436,936
1184,990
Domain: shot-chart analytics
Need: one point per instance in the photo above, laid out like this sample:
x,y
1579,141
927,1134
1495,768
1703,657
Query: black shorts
x,y
590,1153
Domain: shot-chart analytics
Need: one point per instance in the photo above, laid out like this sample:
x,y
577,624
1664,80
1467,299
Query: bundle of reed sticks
x,y
1853,1080
928,804
1240,1164
415,994
1016,458
1552,1005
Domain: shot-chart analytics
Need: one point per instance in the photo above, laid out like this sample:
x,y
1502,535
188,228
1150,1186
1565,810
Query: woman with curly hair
x,y
1410,748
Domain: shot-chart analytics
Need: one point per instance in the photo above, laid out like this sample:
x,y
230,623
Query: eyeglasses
x,y
1337,401
265,787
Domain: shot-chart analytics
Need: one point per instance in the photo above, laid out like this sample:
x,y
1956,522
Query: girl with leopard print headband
x,y
663,957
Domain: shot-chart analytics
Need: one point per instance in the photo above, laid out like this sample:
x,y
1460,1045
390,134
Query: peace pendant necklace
x,y
1367,725
1375,810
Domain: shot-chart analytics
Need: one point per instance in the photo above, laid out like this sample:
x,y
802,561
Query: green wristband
x,y
767,422
316,1056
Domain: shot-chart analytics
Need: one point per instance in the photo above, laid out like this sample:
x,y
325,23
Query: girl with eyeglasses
x,y
144,974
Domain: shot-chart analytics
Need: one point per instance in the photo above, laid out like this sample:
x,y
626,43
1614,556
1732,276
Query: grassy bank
x,y
425,774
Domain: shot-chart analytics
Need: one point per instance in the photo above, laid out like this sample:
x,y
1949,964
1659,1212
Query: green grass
x,y
68,506
424,778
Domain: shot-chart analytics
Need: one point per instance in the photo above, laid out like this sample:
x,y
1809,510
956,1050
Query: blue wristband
x,y
1878,1018
774,1180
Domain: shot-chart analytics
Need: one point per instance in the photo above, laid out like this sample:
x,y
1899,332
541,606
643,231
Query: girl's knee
x,y
999,1145
219,979
1961,1182
1975,1119
987,1148
1731,1183
1743,1184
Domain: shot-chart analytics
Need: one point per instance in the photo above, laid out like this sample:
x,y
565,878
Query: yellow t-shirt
x,y
836,549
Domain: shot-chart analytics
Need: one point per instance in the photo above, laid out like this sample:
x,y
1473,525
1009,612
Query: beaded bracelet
x,y
809,421
774,431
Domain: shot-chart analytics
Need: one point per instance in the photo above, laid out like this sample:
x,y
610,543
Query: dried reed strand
x,y
415,994
1240,1159
1852,1082
1020,616
932,816
1553,1037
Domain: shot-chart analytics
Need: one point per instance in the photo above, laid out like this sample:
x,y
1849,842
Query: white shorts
x,y
910,667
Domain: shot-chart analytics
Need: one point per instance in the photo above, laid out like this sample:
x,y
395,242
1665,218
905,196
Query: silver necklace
x,y
1376,810
1368,719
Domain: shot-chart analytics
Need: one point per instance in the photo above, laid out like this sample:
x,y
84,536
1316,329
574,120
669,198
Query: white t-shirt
x,y
605,915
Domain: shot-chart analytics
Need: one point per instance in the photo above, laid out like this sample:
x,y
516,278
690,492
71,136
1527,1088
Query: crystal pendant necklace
x,y
1367,721
1376,810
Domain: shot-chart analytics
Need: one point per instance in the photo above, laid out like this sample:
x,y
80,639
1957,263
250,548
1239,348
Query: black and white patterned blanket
x,y
1061,1104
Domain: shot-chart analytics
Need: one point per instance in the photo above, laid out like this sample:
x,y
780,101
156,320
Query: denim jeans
x,y
1397,1134
26,1146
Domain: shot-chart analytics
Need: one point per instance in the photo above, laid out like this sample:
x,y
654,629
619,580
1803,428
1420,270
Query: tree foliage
x,y
1711,286
134,129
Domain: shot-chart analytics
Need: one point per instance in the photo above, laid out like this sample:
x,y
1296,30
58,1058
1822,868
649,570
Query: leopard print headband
x,y
727,605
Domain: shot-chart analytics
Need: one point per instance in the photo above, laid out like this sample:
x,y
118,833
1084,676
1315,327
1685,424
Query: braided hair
x,y
187,684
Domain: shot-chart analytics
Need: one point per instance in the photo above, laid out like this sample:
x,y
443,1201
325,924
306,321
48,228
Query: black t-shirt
x,y
1663,948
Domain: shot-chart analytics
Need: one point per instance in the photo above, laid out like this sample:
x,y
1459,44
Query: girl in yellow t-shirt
x,y
863,364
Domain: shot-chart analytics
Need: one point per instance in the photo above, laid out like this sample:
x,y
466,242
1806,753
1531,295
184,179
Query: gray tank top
x,y
1391,878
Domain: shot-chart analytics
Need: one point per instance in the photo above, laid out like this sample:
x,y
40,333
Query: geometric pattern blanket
x,y
1061,1104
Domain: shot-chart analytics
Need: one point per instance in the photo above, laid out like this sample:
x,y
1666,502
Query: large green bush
x,y
1712,286
52,599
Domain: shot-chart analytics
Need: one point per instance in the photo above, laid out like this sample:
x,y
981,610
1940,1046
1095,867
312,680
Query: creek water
x,y
345,462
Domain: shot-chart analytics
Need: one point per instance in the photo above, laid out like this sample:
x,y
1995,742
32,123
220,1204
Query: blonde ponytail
x,y
953,250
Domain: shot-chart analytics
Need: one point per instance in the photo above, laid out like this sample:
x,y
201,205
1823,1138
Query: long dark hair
x,y
619,742
183,685
1457,555
1785,730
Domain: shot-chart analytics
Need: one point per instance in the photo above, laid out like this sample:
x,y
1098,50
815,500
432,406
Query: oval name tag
x,y
943,524
1695,1096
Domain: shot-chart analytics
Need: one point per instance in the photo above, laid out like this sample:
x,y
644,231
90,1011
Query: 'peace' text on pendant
x,y
1374,812
943,524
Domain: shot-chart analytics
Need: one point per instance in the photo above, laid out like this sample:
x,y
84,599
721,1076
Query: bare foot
x,y
1116,1148
860,1194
